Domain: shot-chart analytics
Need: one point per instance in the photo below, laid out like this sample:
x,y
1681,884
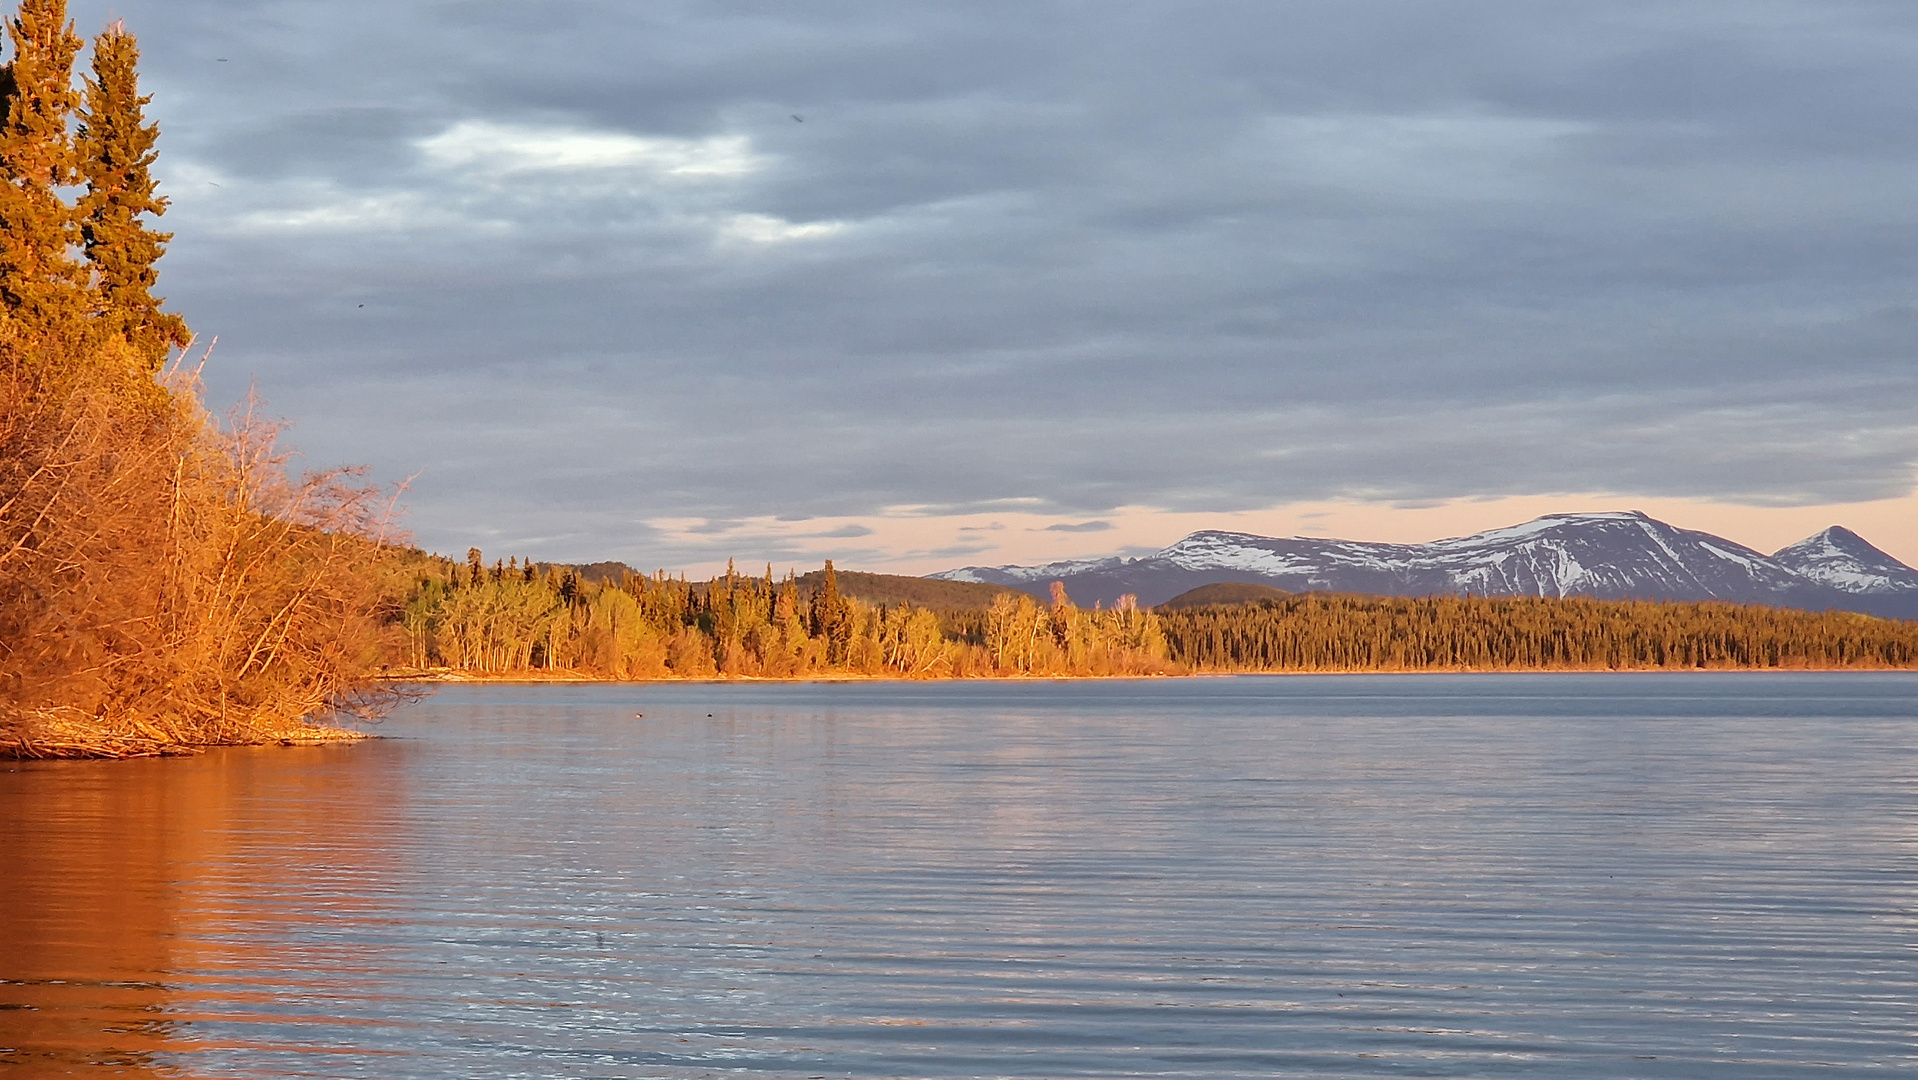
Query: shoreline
x,y
68,741
446,676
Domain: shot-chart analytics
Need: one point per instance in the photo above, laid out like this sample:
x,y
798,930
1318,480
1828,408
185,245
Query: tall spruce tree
x,y
115,153
832,617
42,287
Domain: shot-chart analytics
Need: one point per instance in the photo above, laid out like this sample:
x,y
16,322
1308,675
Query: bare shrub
x,y
164,580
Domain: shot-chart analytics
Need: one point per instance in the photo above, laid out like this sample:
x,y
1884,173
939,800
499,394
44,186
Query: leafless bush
x,y
164,579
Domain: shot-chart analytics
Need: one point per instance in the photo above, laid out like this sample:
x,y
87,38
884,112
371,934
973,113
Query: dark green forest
x,y
1332,632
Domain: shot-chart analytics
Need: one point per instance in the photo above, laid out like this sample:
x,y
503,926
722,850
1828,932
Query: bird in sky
x,y
799,118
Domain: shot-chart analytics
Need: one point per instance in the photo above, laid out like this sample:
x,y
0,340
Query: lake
x,y
1564,876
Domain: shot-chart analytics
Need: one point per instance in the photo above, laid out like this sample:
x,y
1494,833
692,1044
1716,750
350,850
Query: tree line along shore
x,y
167,584
521,620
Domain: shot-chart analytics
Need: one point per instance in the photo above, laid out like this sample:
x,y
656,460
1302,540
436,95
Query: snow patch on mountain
x,y
1002,575
1513,533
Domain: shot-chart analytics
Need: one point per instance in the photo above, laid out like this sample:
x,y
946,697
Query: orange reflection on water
x,y
126,887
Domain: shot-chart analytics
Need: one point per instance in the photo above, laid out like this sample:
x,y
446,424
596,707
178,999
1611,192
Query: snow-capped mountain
x,y
1609,555
1843,560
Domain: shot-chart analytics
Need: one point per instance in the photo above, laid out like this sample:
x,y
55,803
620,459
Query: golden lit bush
x,y
163,580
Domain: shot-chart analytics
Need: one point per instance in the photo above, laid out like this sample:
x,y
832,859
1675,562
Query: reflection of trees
x,y
127,884
87,935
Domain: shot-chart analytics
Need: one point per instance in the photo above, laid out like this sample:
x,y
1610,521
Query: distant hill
x,y
917,591
1223,593
1609,556
607,572
872,588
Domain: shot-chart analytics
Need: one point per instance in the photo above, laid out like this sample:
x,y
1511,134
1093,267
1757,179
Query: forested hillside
x,y
1223,593
872,588
895,589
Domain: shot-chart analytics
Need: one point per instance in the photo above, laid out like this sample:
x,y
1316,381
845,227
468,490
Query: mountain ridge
x,y
1615,555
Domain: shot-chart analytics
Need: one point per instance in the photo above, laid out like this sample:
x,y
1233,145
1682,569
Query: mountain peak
x,y
1844,560
1845,540
1601,515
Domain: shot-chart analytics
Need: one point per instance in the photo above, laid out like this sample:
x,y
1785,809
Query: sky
x,y
920,285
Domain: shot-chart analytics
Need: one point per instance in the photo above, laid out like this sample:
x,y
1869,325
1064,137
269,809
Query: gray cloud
x,y
841,533
1204,258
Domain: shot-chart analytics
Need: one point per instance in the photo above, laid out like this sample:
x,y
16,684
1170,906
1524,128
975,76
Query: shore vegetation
x,y
165,583
516,620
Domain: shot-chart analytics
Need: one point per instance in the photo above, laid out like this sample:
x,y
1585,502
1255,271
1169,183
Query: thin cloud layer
x,y
597,270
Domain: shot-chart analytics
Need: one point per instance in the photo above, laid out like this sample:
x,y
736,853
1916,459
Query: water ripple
x,y
1563,876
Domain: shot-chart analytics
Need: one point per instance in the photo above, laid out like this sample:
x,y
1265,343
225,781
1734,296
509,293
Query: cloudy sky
x,y
917,285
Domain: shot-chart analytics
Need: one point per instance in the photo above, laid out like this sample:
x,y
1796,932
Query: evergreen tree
x,y
115,152
42,289
832,617
786,609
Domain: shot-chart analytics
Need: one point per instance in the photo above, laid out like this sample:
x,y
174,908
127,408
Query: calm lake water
x,y
1545,876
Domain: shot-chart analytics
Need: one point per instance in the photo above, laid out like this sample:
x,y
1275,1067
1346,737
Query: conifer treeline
x,y
1330,632
525,618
